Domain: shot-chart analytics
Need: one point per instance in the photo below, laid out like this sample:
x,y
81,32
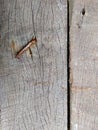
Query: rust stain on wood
x,y
14,48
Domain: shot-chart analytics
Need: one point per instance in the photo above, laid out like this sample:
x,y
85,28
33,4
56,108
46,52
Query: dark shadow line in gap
x,y
68,68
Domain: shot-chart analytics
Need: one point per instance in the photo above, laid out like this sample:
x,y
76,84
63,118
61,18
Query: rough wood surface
x,y
33,89
84,65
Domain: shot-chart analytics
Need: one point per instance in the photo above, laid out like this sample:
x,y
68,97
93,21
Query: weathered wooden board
x,y
33,89
84,65
70,9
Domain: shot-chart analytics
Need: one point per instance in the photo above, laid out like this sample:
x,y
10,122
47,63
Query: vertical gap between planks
x,y
68,67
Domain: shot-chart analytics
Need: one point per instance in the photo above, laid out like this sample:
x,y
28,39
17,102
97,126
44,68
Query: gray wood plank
x,y
84,65
33,89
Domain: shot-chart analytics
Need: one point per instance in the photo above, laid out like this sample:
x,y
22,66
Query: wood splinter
x,y
25,48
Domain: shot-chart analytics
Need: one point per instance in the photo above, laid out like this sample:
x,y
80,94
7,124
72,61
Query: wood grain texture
x,y
33,89
84,65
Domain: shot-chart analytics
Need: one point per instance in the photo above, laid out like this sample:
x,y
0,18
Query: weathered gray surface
x,y
71,2
84,66
33,91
